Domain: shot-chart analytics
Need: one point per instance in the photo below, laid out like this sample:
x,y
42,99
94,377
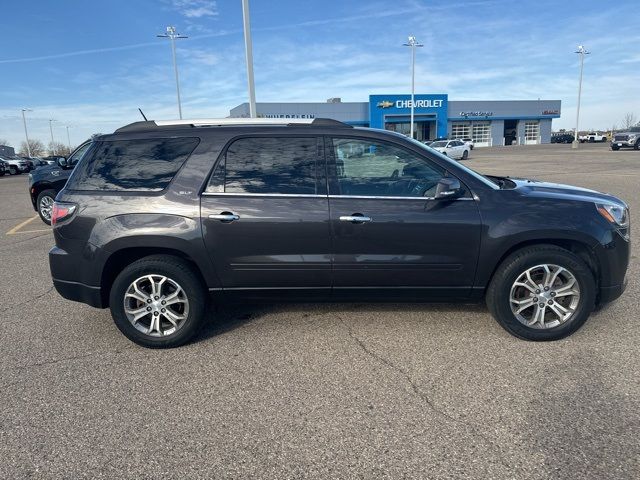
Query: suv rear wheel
x,y
45,205
542,293
158,302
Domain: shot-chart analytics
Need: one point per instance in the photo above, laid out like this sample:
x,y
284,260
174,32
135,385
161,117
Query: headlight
x,y
614,214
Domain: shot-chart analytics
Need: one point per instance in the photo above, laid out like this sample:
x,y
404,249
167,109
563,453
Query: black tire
x,y
512,267
175,269
13,171
465,155
51,194
2,174
615,147
637,145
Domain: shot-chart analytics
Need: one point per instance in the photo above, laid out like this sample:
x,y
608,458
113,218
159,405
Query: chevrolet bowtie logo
x,y
385,104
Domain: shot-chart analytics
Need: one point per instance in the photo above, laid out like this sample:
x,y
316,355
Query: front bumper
x,y
609,294
623,144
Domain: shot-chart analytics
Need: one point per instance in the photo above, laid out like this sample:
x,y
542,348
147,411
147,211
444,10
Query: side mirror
x,y
62,162
448,188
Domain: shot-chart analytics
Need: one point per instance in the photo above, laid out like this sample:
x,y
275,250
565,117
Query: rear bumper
x,y
79,292
73,279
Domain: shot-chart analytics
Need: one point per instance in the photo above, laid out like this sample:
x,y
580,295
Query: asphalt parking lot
x,y
323,391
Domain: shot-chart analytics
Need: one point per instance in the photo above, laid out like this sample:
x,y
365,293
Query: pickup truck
x,y
592,137
630,139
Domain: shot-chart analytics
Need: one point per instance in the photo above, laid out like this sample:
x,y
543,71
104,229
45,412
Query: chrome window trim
x,y
309,195
234,194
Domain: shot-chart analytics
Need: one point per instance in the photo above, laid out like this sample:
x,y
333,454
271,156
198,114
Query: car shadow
x,y
225,318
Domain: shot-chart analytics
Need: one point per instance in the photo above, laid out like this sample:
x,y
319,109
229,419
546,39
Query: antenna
x,y
141,113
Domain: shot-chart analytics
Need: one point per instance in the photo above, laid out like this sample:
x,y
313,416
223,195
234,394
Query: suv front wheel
x,y
542,293
158,302
45,205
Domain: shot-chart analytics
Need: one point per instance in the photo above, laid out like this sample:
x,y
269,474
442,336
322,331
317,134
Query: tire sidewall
x,y
513,269
175,270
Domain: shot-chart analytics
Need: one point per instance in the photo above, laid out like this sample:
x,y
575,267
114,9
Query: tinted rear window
x,y
139,165
267,165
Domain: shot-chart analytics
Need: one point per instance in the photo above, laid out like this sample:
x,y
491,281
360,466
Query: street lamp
x,y
413,43
68,140
53,145
26,135
172,35
249,54
582,52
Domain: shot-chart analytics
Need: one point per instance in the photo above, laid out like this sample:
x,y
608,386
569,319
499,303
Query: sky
x,y
89,65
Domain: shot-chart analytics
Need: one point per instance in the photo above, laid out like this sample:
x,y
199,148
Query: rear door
x,y
265,215
388,234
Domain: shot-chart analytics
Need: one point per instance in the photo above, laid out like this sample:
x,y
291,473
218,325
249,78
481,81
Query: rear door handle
x,y
355,218
225,217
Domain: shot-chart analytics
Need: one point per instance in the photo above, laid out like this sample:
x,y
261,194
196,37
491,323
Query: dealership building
x,y
487,122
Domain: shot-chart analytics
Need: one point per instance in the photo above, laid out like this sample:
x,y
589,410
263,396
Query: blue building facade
x,y
487,122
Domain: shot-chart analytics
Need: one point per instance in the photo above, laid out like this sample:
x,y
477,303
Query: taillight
x,y
62,211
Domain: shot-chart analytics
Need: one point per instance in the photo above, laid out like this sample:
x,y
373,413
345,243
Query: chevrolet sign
x,y
385,104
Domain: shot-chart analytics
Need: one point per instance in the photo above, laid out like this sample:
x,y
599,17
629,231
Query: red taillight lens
x,y
61,211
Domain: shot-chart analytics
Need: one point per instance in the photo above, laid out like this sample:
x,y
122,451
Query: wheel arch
x,y
119,259
579,248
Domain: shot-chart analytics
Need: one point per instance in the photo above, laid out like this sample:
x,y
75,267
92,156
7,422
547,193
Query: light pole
x,y
68,140
582,52
172,35
249,54
413,43
26,135
53,145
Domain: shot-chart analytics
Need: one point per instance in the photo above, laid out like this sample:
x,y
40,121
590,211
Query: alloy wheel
x,y
156,305
544,296
46,207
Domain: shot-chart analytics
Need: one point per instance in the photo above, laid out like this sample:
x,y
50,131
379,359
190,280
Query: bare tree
x,y
629,120
4,141
57,148
36,147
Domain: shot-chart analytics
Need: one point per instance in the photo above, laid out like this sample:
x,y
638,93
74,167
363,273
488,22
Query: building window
x,y
531,132
481,134
460,130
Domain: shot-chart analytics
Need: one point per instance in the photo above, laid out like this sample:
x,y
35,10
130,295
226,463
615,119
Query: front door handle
x,y
225,217
355,218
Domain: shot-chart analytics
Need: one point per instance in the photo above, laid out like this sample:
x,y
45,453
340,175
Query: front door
x,y
387,232
265,215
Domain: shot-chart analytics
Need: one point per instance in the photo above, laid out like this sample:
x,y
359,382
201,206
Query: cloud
x,y
196,8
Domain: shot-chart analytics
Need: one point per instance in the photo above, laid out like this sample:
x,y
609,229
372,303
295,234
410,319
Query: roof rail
x,y
219,122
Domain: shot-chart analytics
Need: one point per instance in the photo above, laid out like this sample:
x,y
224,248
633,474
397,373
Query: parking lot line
x,y
17,228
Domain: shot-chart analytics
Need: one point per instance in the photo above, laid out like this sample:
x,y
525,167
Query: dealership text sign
x,y
419,103
476,114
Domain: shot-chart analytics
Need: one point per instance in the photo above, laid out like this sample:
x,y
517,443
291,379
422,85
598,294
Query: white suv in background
x,y
452,148
467,141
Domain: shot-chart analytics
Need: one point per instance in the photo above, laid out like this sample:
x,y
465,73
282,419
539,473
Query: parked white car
x,y
593,137
452,148
467,141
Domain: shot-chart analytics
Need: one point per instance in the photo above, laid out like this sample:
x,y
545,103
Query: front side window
x,y
372,168
78,154
273,165
134,165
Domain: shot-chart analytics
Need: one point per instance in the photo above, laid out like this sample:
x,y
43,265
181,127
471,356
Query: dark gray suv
x,y
161,216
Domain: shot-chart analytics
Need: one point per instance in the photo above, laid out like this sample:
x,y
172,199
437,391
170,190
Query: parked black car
x,y
4,168
562,138
158,215
47,180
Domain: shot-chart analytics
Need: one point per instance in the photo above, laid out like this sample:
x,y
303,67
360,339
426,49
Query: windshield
x,y
438,144
473,173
